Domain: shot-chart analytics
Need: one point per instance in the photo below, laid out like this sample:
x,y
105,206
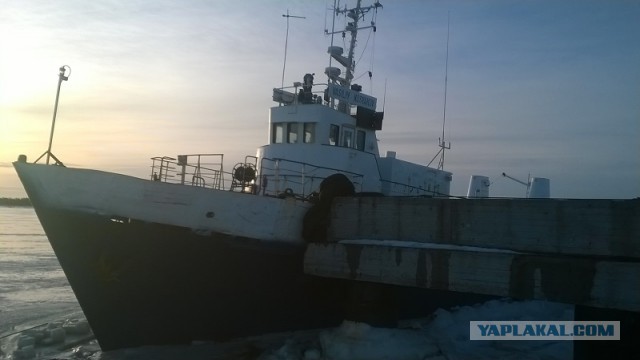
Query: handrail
x,y
276,176
300,181
200,181
419,190
172,170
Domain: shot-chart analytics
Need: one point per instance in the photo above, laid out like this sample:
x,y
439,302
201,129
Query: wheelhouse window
x,y
292,133
360,140
347,137
334,133
309,133
277,135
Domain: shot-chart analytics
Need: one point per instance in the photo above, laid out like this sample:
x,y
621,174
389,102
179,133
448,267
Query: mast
x,y
353,27
355,14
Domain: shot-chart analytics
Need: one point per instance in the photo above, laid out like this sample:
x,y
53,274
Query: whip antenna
x,y
286,43
443,144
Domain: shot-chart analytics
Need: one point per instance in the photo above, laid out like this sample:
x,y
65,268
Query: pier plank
x,y
554,226
577,280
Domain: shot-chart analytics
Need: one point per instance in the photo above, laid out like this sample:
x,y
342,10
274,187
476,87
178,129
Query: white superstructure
x,y
320,129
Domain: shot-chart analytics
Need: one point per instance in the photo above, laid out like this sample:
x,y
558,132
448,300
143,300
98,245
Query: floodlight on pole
x,y
65,72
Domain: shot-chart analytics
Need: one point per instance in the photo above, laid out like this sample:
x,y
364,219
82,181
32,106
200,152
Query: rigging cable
x,y
373,49
364,48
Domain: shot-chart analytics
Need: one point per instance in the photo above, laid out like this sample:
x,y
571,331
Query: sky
x,y
537,88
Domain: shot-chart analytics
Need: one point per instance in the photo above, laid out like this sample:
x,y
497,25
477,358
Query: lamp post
x,y
63,76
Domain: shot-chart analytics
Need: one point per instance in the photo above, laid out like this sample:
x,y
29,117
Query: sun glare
x,y
28,72
23,68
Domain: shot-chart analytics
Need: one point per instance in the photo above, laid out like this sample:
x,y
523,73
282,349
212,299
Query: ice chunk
x,y
359,341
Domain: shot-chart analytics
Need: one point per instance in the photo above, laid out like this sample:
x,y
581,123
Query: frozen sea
x,y
35,293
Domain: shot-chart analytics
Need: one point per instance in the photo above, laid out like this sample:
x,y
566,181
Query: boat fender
x,y
334,186
316,221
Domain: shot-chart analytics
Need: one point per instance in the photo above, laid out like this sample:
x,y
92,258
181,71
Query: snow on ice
x,y
443,336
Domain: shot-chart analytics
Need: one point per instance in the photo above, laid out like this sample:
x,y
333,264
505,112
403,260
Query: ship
x,y
199,252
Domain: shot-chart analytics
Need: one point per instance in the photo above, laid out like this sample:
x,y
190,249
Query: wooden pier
x,y
584,252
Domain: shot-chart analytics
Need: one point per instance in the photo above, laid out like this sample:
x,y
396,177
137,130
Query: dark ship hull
x,y
153,263
142,283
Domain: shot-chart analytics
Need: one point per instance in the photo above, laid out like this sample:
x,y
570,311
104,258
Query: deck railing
x,y
286,177
204,170
275,177
393,188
